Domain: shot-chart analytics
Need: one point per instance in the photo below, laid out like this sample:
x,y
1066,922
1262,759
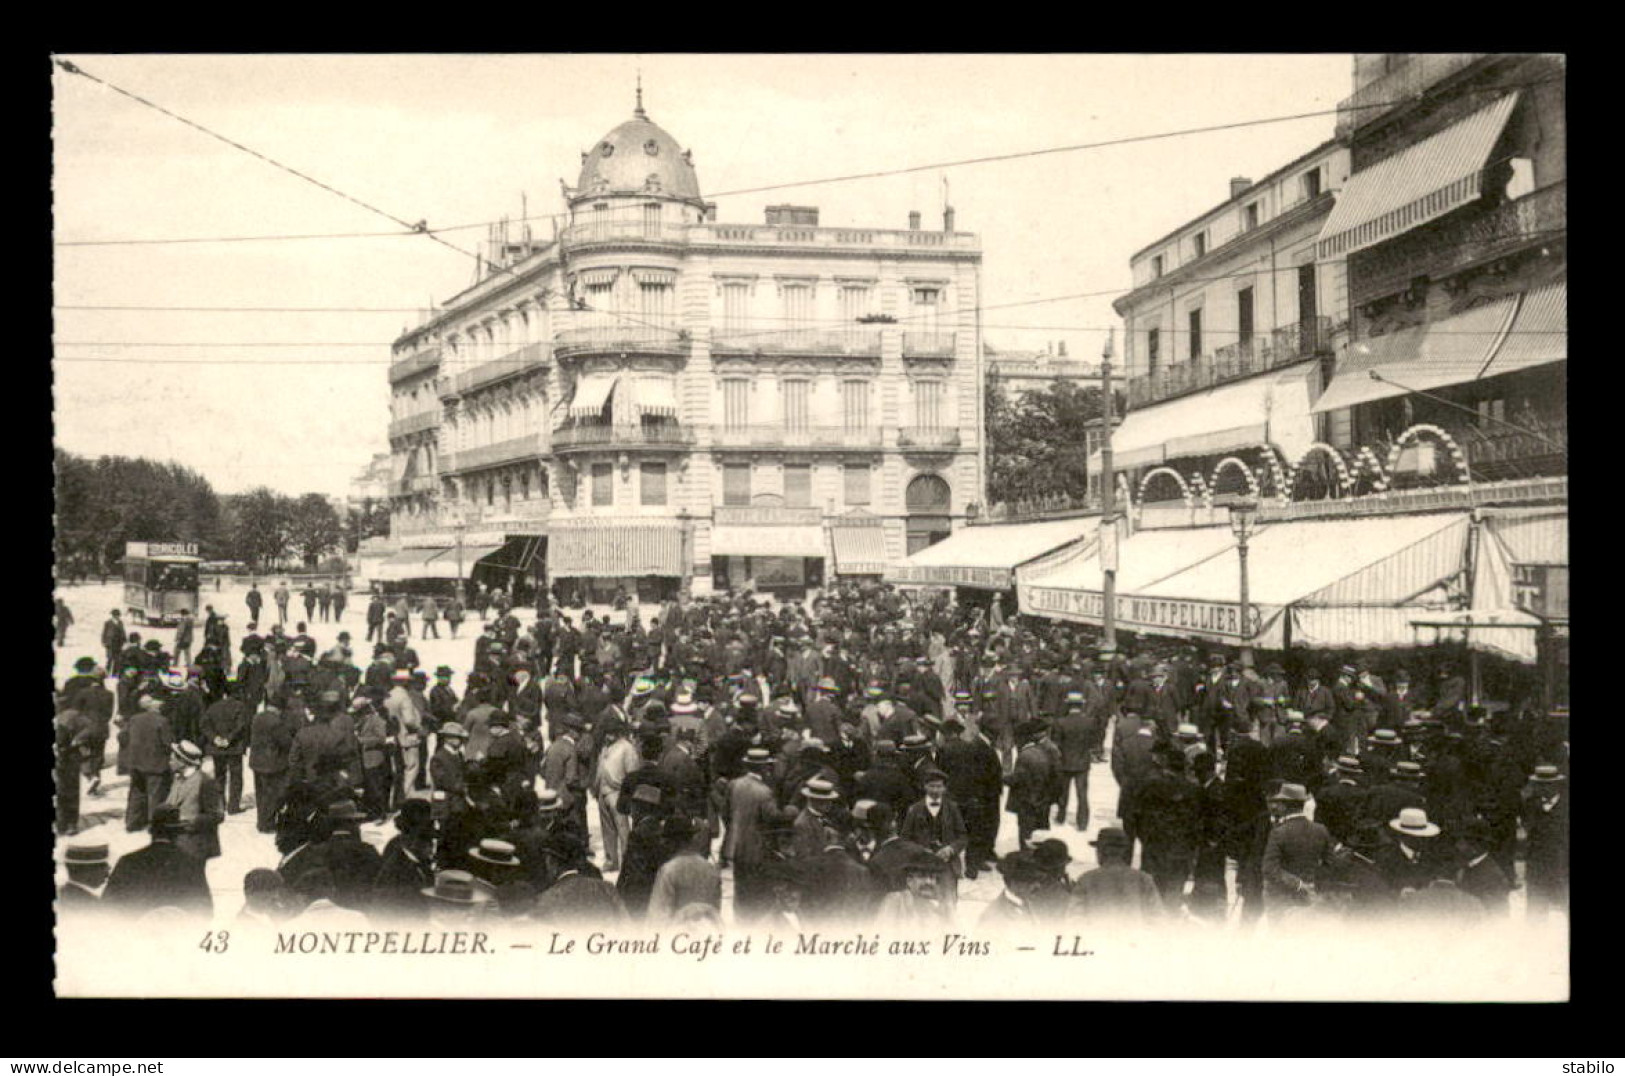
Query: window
x,y
796,394
735,308
927,304
798,485
736,483
600,296
854,304
1195,317
855,405
798,309
1244,315
928,404
1156,267
507,491
1311,184
1199,243
735,403
524,485
1249,217
1153,349
653,491
857,476
603,484
655,303
1491,413
651,220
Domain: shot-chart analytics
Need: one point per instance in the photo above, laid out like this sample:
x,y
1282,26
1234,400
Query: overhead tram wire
x,y
421,228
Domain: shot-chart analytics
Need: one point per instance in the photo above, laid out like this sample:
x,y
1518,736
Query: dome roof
x,y
638,157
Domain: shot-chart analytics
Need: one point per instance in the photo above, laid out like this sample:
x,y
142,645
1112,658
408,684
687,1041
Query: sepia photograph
x,y
811,526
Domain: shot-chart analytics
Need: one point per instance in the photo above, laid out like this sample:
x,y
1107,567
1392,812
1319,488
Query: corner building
x,y
656,400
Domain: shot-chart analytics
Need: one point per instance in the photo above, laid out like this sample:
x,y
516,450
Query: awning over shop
x,y
445,566
1531,535
1450,351
1539,334
1186,582
1273,408
859,550
516,555
1415,185
410,564
767,541
611,550
987,556
592,393
656,395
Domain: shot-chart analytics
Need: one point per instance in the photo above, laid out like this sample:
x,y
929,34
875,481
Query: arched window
x,y
928,498
928,493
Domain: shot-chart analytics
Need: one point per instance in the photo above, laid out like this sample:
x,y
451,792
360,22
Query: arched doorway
x,y
929,501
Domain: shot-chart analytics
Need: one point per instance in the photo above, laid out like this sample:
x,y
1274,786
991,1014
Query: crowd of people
x,y
849,760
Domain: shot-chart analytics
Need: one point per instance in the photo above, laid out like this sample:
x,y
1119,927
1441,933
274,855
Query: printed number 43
x,y
215,941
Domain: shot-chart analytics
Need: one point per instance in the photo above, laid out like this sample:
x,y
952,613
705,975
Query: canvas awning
x,y
612,550
1186,582
1531,535
445,566
1416,185
409,564
1450,351
987,556
767,541
656,396
1270,408
592,393
1539,333
516,554
859,550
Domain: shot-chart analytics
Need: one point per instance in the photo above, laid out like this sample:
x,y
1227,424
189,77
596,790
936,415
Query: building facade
x,y
651,400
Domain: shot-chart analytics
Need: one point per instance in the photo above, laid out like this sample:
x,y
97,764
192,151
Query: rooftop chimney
x,y
914,220
1239,184
1063,349
948,219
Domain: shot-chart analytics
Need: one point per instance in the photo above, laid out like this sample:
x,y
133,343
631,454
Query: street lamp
x,y
1243,516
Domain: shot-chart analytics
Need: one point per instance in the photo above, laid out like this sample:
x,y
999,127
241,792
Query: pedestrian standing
x,y
270,740
454,614
431,618
309,598
280,595
64,621
340,599
225,736
113,640
324,600
150,738
197,797
184,627
375,619
255,601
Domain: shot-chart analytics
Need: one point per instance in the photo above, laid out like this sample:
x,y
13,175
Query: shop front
x,y
603,563
785,560
980,562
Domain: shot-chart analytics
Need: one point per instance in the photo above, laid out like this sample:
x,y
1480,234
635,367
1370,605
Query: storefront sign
x,y
943,576
1168,616
162,549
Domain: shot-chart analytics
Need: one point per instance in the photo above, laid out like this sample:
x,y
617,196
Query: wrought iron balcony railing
x,y
416,363
519,361
658,436
618,337
922,344
424,420
526,447
927,437
864,342
832,438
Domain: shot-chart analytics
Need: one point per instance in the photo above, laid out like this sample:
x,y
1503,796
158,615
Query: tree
x,y
371,520
1038,444
104,503
260,527
314,528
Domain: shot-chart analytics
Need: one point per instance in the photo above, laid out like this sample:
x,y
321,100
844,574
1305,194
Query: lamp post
x,y
1243,514
1108,508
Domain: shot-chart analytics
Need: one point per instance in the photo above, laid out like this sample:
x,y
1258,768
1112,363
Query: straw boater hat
x,y
758,756
1349,764
820,789
496,853
1384,738
1413,822
548,801
1188,732
683,705
84,855
1547,774
188,752
456,887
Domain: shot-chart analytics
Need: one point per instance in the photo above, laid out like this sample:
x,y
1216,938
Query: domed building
x,y
650,401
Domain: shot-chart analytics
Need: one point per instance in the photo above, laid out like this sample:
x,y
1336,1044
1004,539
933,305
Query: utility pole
x,y
1108,506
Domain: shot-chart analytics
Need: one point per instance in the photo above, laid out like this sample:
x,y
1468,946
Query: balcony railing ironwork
x,y
805,342
612,436
618,337
526,447
834,438
519,361
928,344
927,437
627,229
474,511
1232,362
1404,83
424,420
416,363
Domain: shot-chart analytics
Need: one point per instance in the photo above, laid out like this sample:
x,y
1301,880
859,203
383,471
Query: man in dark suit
x,y
935,824
160,875
1341,803
407,866
1032,782
840,890
1546,820
1167,818
150,739
1074,734
88,870
113,640
225,738
270,739
975,783
1480,876
1297,854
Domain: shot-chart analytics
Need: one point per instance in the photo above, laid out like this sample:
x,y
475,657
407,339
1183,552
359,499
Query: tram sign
x,y
160,549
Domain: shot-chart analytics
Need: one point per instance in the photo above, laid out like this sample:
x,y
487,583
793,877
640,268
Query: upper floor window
x,y
651,219
1311,183
735,403
1153,349
735,308
736,483
653,484
929,412
927,303
603,484
1199,243
855,404
1195,320
1249,217
797,485
796,396
1156,266
854,304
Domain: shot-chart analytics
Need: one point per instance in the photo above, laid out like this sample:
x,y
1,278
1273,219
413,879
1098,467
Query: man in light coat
x,y
616,760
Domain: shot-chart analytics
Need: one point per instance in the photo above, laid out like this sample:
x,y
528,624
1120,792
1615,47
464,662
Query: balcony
x,y
1498,453
619,338
419,483
752,515
815,438
1232,362
1399,86
414,364
656,437
885,238
927,438
625,230
513,364
928,345
425,420
857,342
527,447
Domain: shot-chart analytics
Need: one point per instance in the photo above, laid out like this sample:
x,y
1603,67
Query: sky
x,y
298,401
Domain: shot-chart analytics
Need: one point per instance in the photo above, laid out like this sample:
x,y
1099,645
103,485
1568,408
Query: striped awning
x,y
859,550
594,278
1416,185
612,550
592,393
1539,333
656,396
1271,408
1450,351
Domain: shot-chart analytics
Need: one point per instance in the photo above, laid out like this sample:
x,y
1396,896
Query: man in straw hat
x,y
1546,820
196,796
1407,861
752,808
1297,852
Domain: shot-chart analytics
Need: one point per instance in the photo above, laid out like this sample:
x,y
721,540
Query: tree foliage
x,y
371,520
1038,442
103,503
314,528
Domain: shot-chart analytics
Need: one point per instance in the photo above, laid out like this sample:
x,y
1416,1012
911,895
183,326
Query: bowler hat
x,y
1290,793
1413,822
443,670
1020,867
919,861
85,665
416,817
1111,837
85,854
1051,853
953,721
343,811
1367,835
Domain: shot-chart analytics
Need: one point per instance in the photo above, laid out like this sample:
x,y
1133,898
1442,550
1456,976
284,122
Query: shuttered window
x,y
928,405
603,484
736,403
857,477
735,309
798,485
653,484
736,483
655,302
798,311
855,405
796,394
